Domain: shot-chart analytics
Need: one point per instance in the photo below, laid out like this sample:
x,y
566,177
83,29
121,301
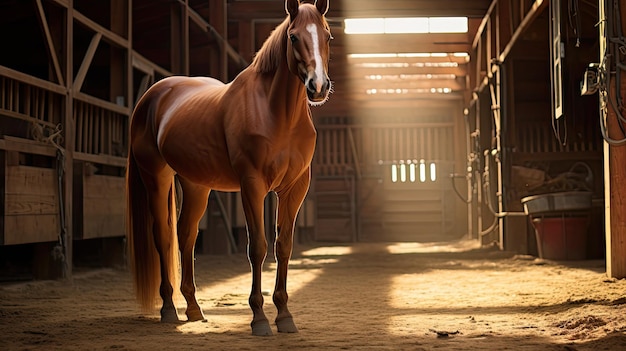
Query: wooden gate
x,y
384,182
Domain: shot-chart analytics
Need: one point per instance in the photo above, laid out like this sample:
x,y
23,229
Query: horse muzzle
x,y
317,90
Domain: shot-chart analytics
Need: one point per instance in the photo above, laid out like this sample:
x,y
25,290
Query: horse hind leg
x,y
194,204
161,198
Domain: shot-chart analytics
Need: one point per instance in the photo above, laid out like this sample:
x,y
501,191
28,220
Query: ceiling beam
x,y
366,71
254,9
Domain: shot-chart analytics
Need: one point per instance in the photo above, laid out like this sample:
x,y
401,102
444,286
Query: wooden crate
x,y
30,208
99,204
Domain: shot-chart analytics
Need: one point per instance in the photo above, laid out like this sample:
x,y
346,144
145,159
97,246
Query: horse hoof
x,y
261,328
169,315
286,325
193,316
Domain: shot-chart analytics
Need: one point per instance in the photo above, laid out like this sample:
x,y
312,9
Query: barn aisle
x,y
374,296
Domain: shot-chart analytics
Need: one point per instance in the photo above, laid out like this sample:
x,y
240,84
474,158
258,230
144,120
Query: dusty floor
x,y
359,297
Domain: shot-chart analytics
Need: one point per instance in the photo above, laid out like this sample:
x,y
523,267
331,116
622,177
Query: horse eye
x,y
293,38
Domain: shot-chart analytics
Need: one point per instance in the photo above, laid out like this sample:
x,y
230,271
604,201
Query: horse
x,y
254,135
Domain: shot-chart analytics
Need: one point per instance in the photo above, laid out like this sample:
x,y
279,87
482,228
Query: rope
x,y
53,136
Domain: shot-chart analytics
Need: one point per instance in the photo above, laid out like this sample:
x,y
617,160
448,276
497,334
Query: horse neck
x,y
286,93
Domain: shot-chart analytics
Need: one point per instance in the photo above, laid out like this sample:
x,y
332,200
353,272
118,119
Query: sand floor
x,y
366,296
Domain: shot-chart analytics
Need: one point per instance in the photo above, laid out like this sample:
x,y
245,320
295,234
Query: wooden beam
x,y
246,42
484,24
28,79
361,71
124,110
254,9
176,38
109,35
461,60
218,21
405,43
614,172
118,57
69,134
27,146
50,43
84,66
208,28
535,10
143,64
453,84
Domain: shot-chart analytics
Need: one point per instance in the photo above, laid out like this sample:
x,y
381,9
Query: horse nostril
x,y
311,85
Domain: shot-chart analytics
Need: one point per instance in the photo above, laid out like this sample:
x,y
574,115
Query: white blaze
x,y
319,68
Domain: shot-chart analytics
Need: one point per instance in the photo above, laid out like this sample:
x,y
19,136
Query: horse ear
x,y
291,6
322,6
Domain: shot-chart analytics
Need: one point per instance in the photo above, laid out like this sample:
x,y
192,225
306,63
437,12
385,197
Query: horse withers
x,y
254,135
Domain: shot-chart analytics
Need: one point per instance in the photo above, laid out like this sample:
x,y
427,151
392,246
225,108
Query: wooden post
x,y
179,38
69,134
118,74
614,173
217,19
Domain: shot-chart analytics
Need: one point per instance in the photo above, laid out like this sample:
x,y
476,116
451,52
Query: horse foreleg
x,y
194,204
288,206
253,201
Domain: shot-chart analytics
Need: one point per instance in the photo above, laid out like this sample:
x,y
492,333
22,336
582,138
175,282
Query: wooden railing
x,y
22,98
356,147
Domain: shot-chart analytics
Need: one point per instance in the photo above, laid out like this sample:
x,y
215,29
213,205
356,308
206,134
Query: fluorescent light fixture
x,y
448,25
405,25
364,25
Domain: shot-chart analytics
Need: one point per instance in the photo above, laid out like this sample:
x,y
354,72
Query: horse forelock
x,y
273,50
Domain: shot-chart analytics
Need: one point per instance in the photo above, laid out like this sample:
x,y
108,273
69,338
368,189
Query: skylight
x,y
405,25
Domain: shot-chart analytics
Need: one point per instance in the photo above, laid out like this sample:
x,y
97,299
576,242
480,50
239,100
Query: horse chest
x,y
280,159
284,167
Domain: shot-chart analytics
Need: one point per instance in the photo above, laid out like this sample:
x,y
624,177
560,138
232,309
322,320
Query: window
x,y
412,171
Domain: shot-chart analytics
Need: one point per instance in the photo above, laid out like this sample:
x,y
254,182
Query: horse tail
x,y
143,257
142,252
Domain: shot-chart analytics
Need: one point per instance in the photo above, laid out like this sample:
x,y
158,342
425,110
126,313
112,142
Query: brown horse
x,y
253,135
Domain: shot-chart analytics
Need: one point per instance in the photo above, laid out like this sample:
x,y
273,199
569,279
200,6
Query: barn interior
x,y
438,134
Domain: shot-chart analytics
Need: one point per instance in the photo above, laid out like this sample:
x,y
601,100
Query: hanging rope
x,y
54,137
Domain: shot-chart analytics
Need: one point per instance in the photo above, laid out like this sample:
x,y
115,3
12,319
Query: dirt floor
x,y
396,296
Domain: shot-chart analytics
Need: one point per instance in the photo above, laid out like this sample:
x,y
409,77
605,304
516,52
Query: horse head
x,y
308,47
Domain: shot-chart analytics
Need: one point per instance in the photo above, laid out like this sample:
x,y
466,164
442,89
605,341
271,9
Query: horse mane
x,y
272,52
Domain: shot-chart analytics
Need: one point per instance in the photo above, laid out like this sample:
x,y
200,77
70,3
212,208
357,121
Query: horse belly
x,y
200,162
216,177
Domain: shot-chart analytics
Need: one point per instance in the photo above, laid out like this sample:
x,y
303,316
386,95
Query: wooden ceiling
x,y
411,82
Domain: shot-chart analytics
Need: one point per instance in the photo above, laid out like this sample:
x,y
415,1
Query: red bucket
x,y
562,238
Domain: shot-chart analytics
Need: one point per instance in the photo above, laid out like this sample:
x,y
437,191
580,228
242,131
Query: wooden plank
x,y
24,204
31,205
103,206
27,146
30,180
25,229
